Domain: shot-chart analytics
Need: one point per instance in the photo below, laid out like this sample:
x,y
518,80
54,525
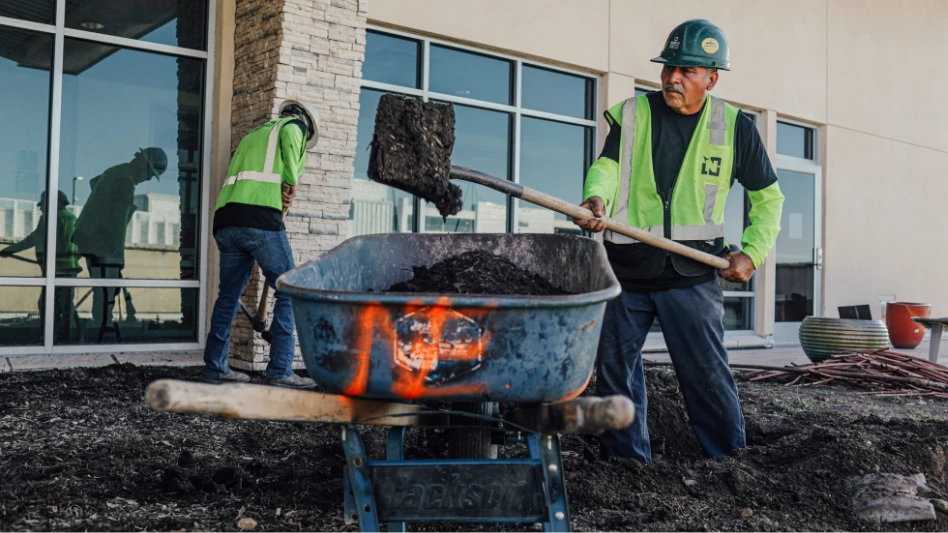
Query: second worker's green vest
x,y
255,175
696,203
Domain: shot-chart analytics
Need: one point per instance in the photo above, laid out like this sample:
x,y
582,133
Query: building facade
x,y
843,92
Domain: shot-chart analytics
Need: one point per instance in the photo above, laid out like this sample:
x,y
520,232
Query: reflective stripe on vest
x,y
269,162
717,126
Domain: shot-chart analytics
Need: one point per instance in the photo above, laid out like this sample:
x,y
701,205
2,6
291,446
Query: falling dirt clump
x,y
411,150
476,272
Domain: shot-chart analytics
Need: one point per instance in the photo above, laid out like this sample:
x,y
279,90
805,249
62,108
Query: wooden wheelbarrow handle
x,y
560,206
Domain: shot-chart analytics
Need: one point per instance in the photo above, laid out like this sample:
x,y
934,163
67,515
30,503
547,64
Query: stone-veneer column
x,y
311,51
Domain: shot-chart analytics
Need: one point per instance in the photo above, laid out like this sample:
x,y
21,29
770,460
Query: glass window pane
x,y
795,246
641,92
375,208
738,313
21,319
113,315
390,59
25,58
469,75
482,142
33,10
553,160
795,141
131,148
172,22
557,92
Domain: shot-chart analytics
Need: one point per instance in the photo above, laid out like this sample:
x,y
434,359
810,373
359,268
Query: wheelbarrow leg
x,y
359,480
547,448
934,342
395,451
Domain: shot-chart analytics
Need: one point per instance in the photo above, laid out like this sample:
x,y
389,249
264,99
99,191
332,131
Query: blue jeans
x,y
693,327
239,248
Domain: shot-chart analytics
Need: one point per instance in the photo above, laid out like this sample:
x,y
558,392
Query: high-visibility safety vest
x,y
697,199
264,161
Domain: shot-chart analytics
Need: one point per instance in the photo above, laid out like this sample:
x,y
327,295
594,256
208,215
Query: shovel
x,y
258,320
411,150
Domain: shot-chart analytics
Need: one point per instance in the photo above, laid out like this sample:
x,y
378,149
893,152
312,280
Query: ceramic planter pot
x,y
823,337
903,331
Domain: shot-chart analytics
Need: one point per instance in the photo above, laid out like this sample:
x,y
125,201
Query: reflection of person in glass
x,y
101,227
67,260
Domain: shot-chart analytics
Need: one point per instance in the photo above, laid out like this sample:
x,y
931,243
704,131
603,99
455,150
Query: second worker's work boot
x,y
291,382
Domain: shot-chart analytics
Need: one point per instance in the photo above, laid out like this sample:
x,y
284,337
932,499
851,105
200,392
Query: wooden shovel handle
x,y
581,213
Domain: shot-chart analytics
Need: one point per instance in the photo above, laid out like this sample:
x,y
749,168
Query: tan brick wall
x,y
312,51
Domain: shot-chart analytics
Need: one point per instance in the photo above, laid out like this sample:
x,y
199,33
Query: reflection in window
x,y
131,146
795,141
391,59
130,315
21,319
482,142
24,106
33,10
171,22
735,220
375,208
469,75
557,92
553,159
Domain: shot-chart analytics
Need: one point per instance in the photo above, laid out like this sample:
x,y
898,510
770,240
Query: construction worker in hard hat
x,y
248,227
67,261
101,227
666,167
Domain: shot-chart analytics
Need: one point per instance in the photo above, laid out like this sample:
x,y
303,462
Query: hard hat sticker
x,y
674,44
710,45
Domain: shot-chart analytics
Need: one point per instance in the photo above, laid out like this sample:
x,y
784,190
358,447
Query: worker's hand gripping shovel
x,y
258,320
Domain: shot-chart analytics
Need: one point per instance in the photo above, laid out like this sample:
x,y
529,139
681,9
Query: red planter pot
x,y
903,331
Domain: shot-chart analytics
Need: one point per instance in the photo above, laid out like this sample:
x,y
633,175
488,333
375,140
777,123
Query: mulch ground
x,y
80,451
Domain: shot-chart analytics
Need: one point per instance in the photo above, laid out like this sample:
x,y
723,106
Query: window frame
x,y
60,33
516,110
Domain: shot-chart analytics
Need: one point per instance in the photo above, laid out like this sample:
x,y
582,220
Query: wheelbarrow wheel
x,y
470,443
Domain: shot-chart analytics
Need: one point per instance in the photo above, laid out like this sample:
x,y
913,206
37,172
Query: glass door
x,y
798,249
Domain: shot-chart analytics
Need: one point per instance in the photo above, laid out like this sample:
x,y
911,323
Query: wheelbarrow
x,y
397,359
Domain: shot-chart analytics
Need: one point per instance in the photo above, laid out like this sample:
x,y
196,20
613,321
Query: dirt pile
x,y
476,272
80,451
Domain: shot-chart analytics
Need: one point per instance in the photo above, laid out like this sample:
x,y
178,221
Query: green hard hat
x,y
696,43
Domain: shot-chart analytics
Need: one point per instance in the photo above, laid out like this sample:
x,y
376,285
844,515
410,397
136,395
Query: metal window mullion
x,y
129,283
514,216
470,102
147,347
559,118
22,350
421,218
27,25
388,87
52,169
23,282
738,294
203,225
135,44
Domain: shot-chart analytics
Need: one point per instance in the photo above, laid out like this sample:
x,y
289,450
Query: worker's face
x,y
685,88
142,168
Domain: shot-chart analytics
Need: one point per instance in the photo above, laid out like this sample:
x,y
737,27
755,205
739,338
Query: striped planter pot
x,y
823,337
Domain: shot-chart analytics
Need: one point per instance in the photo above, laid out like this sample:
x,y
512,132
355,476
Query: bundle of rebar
x,y
884,373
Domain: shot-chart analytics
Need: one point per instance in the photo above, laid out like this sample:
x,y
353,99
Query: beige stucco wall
x,y
867,75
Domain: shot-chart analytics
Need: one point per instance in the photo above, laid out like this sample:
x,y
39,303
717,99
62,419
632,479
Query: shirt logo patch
x,y
711,166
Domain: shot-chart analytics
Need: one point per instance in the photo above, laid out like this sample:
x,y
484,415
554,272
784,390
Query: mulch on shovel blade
x,y
79,450
411,150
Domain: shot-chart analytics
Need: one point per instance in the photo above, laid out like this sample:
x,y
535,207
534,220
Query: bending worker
x,y
248,227
666,167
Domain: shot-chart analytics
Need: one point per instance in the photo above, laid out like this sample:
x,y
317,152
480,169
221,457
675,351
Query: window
x,y
105,158
525,122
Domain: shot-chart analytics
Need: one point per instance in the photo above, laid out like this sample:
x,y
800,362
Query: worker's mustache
x,y
675,88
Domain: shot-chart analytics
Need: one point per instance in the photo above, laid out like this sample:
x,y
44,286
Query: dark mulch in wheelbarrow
x,y
476,272
80,451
